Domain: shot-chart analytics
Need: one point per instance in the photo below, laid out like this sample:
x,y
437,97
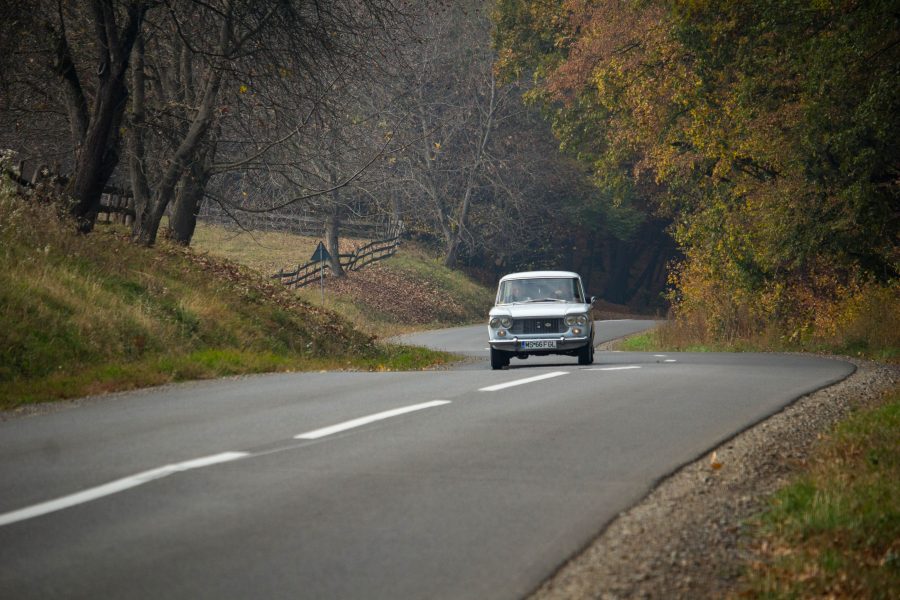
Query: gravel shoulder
x,y
684,540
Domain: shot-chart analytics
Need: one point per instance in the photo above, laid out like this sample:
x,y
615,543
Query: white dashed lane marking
x,y
132,481
626,368
114,487
509,384
325,431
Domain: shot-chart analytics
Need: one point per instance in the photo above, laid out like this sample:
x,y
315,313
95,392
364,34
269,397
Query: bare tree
x,y
455,106
284,59
187,53
77,58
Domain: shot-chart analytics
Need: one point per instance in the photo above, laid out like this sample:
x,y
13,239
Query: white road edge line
x,y
615,368
325,431
114,487
508,384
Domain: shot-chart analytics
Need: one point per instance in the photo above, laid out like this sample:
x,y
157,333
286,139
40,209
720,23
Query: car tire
x,y
499,359
586,354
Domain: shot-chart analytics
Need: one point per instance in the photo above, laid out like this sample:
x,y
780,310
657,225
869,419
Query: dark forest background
x,y
736,161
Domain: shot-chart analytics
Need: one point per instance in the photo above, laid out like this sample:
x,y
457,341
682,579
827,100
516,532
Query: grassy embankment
x,y
835,531
870,330
410,291
96,313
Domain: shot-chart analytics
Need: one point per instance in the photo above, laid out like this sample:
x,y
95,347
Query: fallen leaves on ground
x,y
405,298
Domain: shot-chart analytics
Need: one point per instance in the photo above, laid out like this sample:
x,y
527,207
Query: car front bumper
x,y
514,344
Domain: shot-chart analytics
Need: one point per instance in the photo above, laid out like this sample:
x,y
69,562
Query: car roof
x,y
539,274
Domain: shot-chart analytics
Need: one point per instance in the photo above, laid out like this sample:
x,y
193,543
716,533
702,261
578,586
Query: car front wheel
x,y
586,355
499,359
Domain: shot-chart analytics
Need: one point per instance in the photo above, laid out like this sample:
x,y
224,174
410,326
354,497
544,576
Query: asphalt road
x,y
472,341
276,486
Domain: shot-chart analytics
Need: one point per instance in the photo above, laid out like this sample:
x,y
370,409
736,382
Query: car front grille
x,y
526,326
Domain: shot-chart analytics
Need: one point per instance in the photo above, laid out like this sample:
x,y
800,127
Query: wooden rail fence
x,y
359,258
301,224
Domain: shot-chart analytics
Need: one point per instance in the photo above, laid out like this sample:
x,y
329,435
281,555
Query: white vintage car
x,y
541,313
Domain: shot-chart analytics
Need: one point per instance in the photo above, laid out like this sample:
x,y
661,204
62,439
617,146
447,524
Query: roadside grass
x,y
204,364
662,339
97,313
673,336
410,291
639,342
835,531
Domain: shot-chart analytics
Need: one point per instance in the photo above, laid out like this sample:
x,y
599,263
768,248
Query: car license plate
x,y
538,344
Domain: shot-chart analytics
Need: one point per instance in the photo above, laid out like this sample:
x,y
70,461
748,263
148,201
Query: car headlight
x,y
495,323
576,320
506,322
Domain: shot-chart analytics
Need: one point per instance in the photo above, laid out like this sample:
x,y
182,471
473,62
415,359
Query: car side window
x,y
577,292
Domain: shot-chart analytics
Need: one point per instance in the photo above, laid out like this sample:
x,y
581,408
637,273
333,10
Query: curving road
x,y
447,484
472,340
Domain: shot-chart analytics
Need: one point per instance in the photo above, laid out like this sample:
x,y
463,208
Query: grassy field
x,y
410,291
263,251
96,313
835,531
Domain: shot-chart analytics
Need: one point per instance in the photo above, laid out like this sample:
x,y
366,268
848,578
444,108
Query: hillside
x,y
409,291
85,314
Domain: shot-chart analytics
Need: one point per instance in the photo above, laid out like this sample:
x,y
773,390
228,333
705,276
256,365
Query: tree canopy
x,y
768,131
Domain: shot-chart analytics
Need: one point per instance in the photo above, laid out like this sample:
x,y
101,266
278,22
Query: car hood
x,y
539,309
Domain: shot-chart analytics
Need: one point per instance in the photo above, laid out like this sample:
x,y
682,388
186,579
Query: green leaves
x,y
767,130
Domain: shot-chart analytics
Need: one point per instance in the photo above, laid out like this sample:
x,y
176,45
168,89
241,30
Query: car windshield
x,y
544,289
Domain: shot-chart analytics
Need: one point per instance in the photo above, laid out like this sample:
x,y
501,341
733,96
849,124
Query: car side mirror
x,y
593,299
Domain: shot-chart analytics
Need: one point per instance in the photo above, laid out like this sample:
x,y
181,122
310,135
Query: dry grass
x,y
94,313
264,251
408,292
866,325
821,309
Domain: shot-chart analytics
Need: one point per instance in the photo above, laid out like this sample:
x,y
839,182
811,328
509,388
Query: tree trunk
x,y
187,204
76,103
140,189
156,208
396,214
96,163
99,154
187,150
332,241
454,241
452,257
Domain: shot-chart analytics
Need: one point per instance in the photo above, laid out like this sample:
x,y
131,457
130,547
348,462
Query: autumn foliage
x,y
768,131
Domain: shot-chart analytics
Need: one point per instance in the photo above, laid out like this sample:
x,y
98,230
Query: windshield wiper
x,y
547,300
